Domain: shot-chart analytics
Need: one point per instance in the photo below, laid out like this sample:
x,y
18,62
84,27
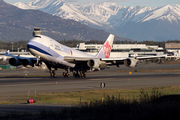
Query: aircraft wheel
x,y
78,75
54,76
51,75
67,75
81,75
64,74
74,74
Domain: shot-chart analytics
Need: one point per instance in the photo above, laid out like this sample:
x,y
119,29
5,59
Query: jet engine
x,y
130,62
93,64
27,63
14,61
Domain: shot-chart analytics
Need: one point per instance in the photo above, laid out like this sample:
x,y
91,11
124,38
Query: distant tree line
x,y
13,45
73,43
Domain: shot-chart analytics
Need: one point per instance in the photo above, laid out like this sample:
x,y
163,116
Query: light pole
x,y
12,45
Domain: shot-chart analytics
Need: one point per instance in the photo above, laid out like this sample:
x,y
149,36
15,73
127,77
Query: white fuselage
x,y
50,50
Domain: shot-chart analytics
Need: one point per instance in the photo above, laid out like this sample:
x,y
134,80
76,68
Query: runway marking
x,y
19,78
28,84
102,79
42,84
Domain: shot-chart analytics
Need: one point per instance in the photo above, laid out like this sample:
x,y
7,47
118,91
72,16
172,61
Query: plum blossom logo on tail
x,y
71,52
107,49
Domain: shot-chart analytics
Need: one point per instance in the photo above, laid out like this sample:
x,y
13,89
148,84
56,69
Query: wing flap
x,y
112,59
71,58
151,57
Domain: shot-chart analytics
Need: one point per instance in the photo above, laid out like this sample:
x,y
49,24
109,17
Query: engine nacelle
x,y
27,63
14,61
93,64
130,62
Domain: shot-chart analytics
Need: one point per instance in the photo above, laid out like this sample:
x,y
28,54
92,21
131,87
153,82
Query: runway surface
x,y
114,78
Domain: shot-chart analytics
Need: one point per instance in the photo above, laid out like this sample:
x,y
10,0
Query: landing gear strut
x,y
51,70
66,75
52,73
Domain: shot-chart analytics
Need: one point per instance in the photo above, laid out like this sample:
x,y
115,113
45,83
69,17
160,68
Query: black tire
x,y
78,75
75,75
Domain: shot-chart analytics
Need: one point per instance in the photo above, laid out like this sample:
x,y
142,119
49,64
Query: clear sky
x,y
149,3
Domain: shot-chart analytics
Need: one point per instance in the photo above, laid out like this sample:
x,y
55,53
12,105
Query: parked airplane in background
x,y
56,55
176,54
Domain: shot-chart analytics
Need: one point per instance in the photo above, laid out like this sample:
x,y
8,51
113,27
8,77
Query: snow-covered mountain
x,y
138,23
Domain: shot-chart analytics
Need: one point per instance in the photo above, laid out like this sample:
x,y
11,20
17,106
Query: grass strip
x,y
87,96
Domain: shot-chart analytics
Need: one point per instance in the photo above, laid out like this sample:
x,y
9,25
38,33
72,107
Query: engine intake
x,y
14,61
27,63
130,62
93,64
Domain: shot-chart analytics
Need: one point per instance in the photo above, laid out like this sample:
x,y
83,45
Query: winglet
x,y
7,53
106,48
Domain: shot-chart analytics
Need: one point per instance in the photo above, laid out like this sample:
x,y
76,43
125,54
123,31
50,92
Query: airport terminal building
x,y
123,50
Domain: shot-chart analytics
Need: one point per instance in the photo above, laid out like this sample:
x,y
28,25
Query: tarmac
x,y
19,82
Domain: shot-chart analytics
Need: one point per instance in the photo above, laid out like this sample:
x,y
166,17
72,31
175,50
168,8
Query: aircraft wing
x,y
18,60
151,57
19,57
70,58
113,59
128,61
137,57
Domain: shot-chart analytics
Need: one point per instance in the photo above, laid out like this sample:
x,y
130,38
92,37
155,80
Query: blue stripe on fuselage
x,y
38,49
42,49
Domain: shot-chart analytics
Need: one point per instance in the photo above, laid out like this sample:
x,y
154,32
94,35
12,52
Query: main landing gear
x,y
81,74
52,73
77,74
66,75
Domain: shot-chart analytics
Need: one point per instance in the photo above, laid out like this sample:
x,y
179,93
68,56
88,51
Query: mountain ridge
x,y
114,18
18,24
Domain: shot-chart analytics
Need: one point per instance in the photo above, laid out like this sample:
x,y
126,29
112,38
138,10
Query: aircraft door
x,y
51,45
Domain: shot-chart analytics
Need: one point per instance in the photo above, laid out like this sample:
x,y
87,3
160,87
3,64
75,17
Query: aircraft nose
x,y
29,44
32,42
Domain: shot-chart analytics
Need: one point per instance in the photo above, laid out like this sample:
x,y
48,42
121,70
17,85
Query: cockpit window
x,y
37,36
